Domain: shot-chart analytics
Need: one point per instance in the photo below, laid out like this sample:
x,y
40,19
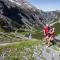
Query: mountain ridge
x,y
21,14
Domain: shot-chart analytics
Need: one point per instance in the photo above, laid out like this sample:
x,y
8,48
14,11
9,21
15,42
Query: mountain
x,y
15,13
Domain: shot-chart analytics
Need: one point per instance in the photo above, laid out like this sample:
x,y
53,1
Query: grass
x,y
1,29
55,47
23,50
6,37
57,28
37,35
20,51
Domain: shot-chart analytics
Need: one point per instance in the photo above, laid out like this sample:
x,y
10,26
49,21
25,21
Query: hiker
x,y
51,35
46,32
49,31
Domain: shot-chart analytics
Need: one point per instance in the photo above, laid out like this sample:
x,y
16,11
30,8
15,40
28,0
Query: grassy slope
x,y
18,51
57,28
24,50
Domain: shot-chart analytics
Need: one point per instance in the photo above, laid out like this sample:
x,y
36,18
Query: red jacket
x,y
46,29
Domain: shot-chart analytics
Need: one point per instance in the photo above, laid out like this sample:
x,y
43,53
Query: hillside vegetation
x,y
29,50
57,28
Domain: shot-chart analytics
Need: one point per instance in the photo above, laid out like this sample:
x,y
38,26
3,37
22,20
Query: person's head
x,y
47,25
51,25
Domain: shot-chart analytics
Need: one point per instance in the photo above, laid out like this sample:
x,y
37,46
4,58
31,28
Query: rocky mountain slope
x,y
15,13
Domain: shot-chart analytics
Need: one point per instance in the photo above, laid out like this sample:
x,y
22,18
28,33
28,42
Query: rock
x,y
46,53
30,37
57,39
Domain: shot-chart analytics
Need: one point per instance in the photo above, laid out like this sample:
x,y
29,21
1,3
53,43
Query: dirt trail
x,y
5,44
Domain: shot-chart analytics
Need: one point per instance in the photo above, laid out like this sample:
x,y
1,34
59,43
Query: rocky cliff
x,y
15,13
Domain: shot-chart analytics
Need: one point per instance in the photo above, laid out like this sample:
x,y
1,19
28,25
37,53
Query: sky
x,y
46,5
